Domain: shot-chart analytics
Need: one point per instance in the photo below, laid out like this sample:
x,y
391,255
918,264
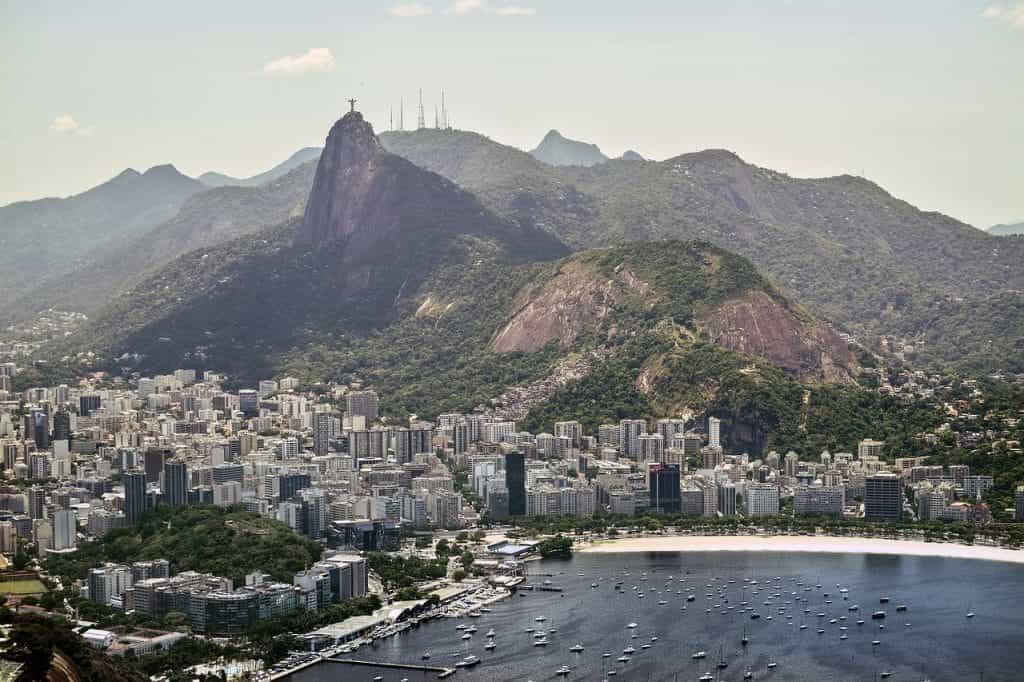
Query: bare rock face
x,y
576,301
374,209
349,183
758,325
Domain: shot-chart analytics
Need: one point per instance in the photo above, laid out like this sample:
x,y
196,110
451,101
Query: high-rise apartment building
x,y
761,499
883,497
175,486
515,481
134,496
663,488
714,432
630,431
362,403
249,402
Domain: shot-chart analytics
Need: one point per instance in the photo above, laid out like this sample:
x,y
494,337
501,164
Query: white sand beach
x,y
799,543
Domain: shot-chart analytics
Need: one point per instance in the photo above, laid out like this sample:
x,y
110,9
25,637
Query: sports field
x,y
21,586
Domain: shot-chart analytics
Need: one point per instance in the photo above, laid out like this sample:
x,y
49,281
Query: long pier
x,y
441,671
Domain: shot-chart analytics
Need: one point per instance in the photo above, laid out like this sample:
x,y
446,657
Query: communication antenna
x,y
391,117
437,121
444,113
420,123
401,114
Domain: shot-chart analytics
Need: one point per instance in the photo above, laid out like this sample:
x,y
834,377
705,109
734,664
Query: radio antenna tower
x,y
437,120
444,113
401,114
420,122
391,117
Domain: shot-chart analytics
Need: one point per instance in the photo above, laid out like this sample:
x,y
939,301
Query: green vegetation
x,y
558,546
436,357
306,621
869,261
762,406
35,641
227,542
185,653
399,572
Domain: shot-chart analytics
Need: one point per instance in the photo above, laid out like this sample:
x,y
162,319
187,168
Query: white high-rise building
x,y
714,432
630,431
761,499
571,430
65,529
652,448
227,494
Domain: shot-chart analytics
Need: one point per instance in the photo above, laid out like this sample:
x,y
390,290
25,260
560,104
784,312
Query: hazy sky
x,y
925,97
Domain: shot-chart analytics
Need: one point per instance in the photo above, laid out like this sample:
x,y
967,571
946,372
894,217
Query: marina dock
x,y
441,671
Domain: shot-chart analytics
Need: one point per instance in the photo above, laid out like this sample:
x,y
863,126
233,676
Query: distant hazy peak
x,y
557,150
1006,229
165,170
304,155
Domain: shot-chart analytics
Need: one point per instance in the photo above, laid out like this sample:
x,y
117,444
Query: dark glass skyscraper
x,y
883,497
88,403
154,463
515,481
664,489
134,495
175,483
41,430
292,483
62,425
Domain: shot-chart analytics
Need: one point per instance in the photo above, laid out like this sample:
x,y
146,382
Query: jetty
x,y
442,672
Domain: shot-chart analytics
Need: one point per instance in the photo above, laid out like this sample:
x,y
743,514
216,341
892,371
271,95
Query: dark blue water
x,y
940,643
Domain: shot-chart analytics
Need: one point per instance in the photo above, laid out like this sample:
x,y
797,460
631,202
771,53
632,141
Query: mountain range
x,y
213,179
872,264
397,275
461,274
58,235
1007,229
869,263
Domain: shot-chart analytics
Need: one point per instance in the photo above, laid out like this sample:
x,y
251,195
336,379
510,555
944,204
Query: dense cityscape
x,y
92,462
511,342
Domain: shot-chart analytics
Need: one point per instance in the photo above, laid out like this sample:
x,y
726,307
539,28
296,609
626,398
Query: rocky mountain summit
x,y
556,150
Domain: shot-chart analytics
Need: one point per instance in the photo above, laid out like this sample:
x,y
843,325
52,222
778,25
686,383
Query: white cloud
x,y
466,6
513,11
412,9
65,123
317,59
1011,14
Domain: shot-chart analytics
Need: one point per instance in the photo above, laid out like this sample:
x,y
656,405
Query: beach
x,y
799,543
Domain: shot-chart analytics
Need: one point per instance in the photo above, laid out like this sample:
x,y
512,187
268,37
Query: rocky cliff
x,y
759,325
372,205
605,295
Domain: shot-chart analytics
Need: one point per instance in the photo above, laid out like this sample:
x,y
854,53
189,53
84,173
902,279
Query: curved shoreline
x,y
799,543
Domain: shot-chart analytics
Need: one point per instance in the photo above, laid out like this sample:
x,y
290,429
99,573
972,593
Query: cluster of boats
x,y
761,601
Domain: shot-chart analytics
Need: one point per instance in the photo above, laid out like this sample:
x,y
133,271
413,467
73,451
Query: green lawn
x,y
22,586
